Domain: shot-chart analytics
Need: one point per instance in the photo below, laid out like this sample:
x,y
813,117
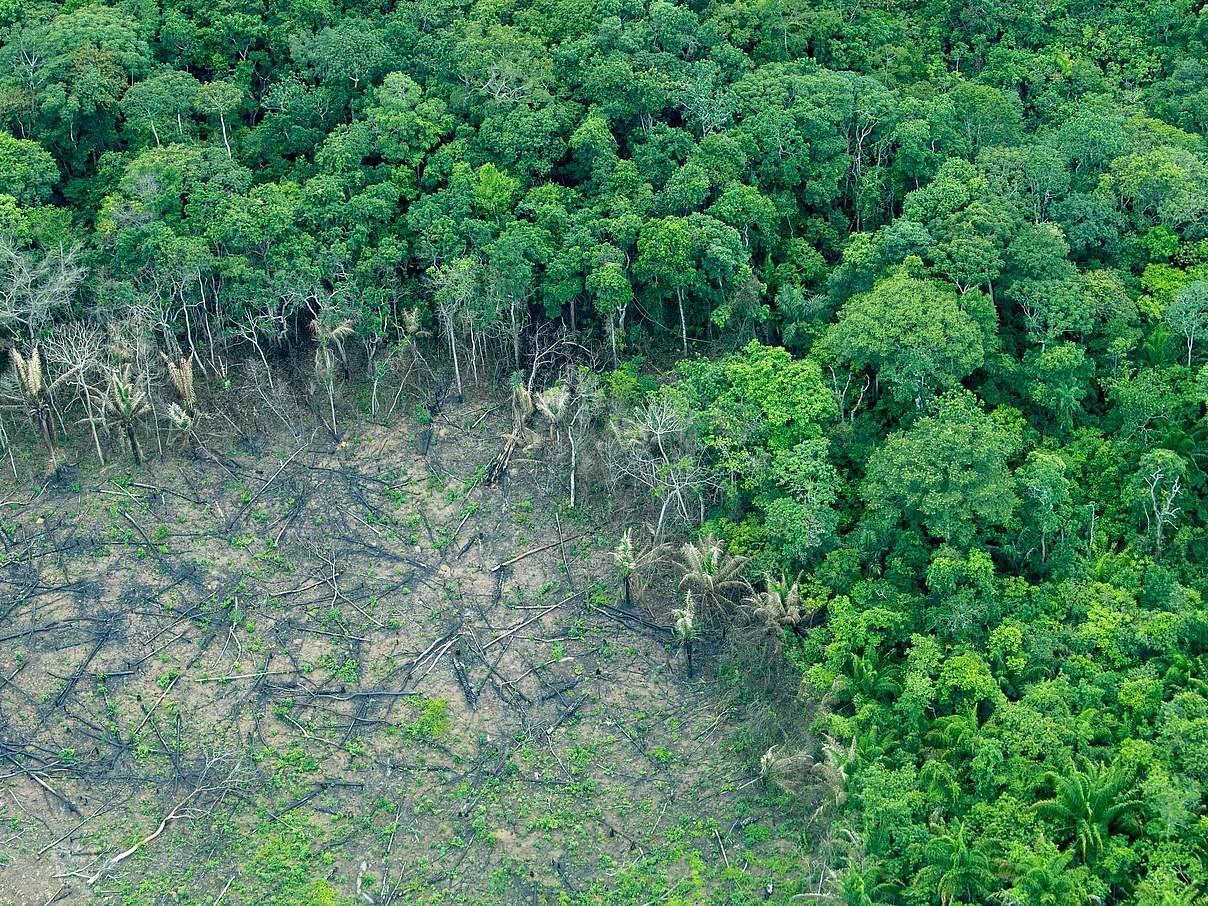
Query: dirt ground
x,y
296,672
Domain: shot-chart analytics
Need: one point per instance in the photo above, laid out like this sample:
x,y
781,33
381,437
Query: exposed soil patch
x,y
309,672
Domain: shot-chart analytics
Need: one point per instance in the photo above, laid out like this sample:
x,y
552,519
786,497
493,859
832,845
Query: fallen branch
x,y
173,815
251,500
180,810
532,619
535,550
32,775
60,839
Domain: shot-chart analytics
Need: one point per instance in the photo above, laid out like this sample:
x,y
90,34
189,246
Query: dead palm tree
x,y
181,375
522,406
795,771
564,407
635,563
125,405
182,423
37,397
330,335
627,563
521,437
553,404
791,771
777,606
685,626
713,573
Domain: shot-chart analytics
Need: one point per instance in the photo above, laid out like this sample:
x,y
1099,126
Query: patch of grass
x,y
347,670
284,868
433,722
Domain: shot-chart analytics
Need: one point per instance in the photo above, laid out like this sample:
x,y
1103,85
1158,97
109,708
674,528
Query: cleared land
x,y
294,672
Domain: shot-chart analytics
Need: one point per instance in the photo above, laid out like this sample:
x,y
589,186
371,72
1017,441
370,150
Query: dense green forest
x,y
897,309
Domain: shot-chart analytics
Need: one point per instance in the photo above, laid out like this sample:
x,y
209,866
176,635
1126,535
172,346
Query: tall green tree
x,y
948,473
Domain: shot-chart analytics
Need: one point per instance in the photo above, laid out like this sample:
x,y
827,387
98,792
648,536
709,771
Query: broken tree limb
x,y
33,775
530,620
251,500
174,815
565,557
535,550
180,810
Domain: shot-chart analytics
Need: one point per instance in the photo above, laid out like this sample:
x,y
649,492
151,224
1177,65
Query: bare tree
x,y
266,325
454,286
330,332
655,448
1158,486
849,399
6,446
34,285
78,349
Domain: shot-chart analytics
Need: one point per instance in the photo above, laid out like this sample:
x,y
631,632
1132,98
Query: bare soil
x,y
304,665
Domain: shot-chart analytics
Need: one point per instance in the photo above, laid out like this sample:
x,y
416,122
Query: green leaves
x,y
1090,803
948,473
980,228
956,868
67,75
757,407
912,334
27,171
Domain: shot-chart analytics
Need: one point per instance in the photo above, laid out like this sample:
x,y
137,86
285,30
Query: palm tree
x,y
635,561
865,679
627,562
126,404
777,606
37,397
553,403
715,575
330,334
685,626
952,737
958,870
1043,880
861,887
181,375
939,781
561,407
1168,886
1090,802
